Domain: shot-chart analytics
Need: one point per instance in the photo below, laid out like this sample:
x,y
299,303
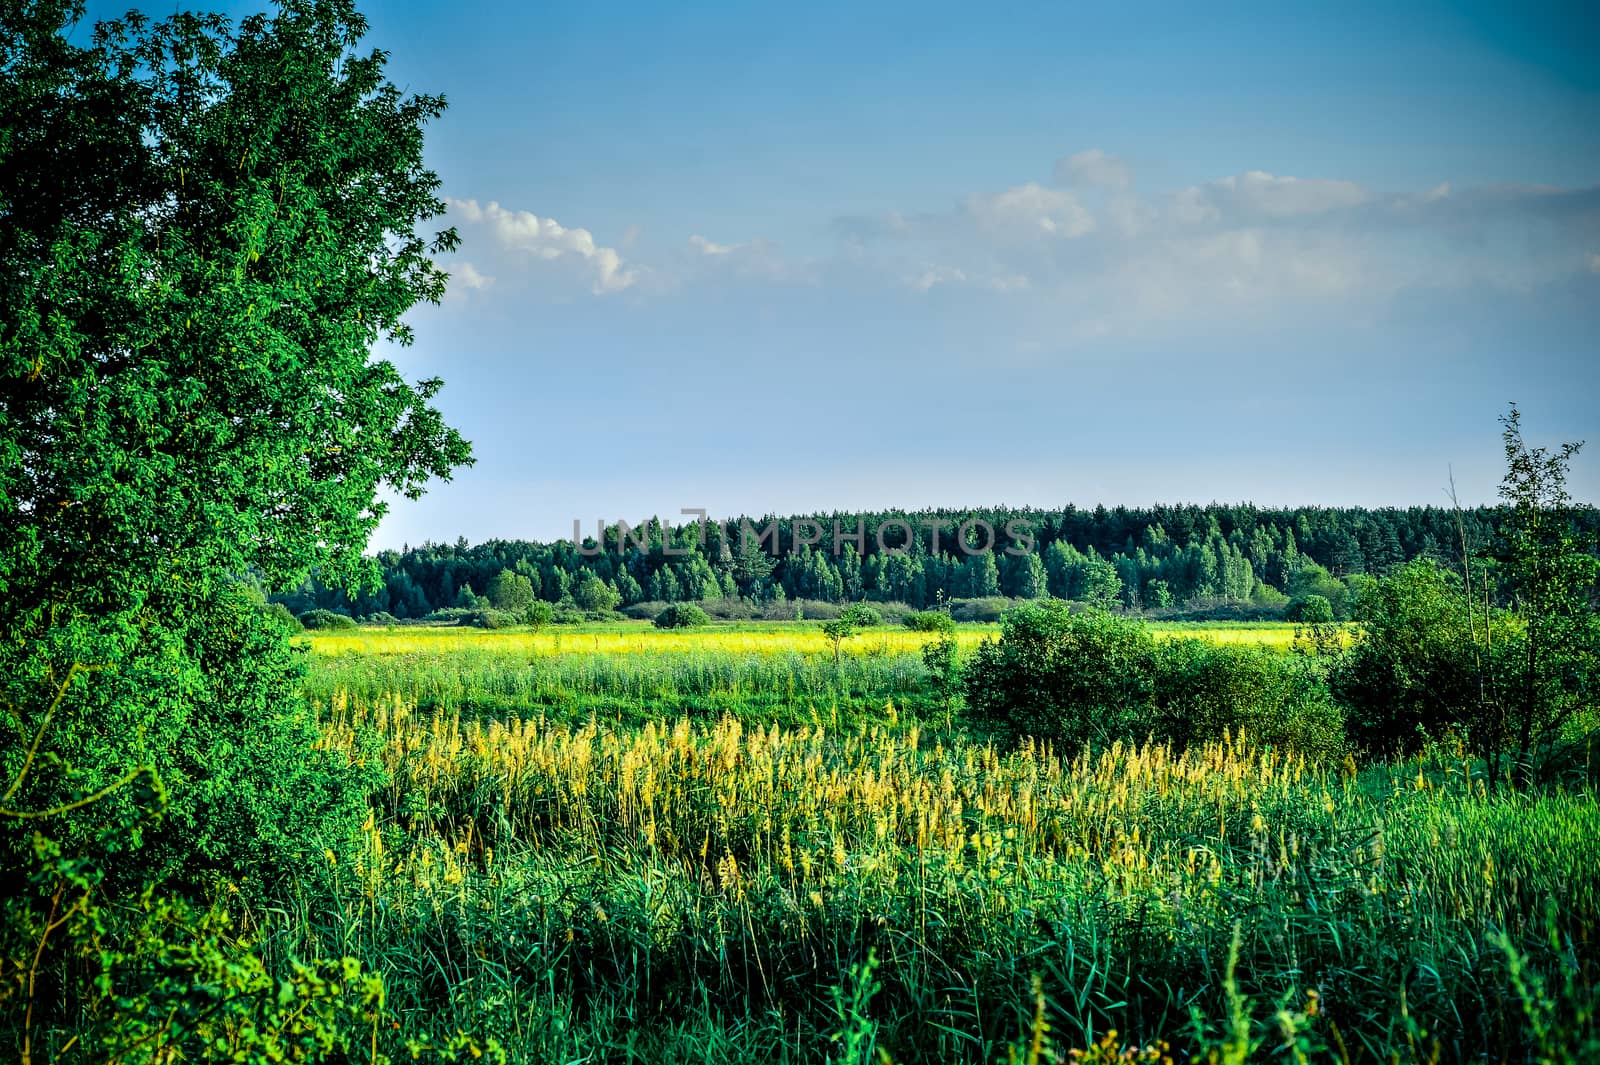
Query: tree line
x,y
1229,558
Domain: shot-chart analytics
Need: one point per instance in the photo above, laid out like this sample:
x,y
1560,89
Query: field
x,y
743,638
618,844
776,672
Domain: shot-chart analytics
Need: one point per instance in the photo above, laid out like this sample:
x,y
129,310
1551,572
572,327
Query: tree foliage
x,y
205,230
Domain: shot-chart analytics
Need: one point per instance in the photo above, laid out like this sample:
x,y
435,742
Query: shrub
x,y
210,703
596,596
453,615
282,615
985,611
729,608
644,611
681,616
1071,678
864,616
929,621
538,614
1312,609
326,619
1203,689
799,610
381,617
1412,674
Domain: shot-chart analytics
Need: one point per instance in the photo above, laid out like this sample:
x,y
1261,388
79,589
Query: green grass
x,y
608,843
713,893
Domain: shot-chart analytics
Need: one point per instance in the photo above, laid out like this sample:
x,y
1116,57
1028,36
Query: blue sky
x,y
806,256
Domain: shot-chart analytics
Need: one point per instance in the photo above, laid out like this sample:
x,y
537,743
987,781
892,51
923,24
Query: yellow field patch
x,y
730,639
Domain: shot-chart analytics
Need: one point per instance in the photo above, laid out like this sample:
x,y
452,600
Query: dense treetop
x,y
1149,558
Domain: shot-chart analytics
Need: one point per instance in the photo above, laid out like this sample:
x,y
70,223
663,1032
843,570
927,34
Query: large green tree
x,y
206,232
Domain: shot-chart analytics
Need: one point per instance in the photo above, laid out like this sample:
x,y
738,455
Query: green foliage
x,y
864,616
1199,559
1202,691
682,616
538,614
1056,675
595,595
1094,678
190,395
945,675
511,592
281,615
929,621
253,796
1310,579
159,979
837,632
1550,568
325,619
1414,672
1313,609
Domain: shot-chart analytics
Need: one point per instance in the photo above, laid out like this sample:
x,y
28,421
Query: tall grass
x,y
719,891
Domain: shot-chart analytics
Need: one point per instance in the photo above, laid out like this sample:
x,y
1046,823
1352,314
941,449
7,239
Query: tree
x,y
538,614
1100,583
844,627
944,671
982,576
510,592
1314,609
1410,675
1550,571
594,594
204,234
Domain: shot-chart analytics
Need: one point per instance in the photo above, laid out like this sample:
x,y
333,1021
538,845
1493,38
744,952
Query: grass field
x,y
737,638
611,843
762,673
711,893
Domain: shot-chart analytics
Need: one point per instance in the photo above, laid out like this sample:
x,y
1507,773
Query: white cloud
x,y
706,247
1033,208
469,277
1594,263
937,275
545,238
1093,168
1256,194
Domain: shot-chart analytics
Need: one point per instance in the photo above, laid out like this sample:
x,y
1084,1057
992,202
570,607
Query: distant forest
x,y
1165,559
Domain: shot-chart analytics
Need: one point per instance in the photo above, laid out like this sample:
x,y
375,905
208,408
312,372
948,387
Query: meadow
x,y
618,844
774,672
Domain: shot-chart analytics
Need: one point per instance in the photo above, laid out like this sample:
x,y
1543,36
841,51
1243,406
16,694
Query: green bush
x,y
1096,678
211,702
1202,690
682,616
929,621
538,614
326,619
282,615
1312,609
1413,674
1069,678
985,611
